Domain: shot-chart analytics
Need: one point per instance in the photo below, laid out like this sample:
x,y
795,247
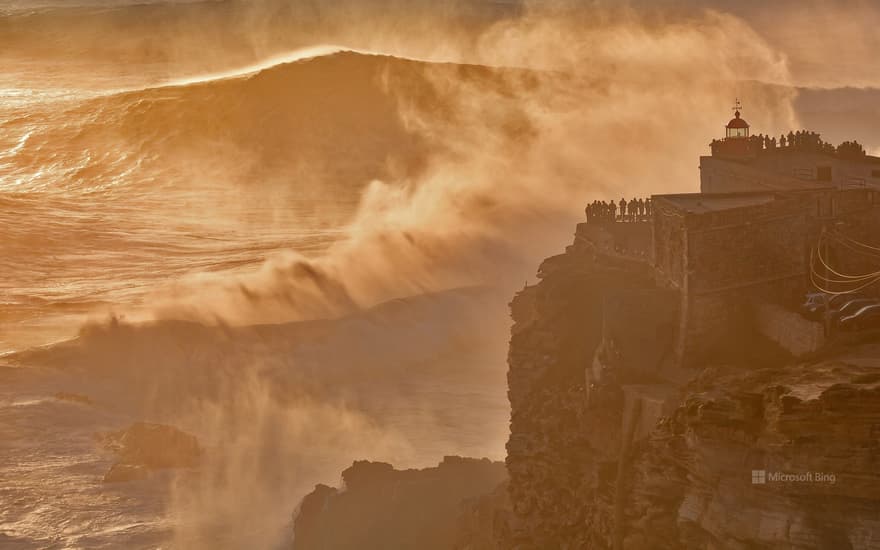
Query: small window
x,y
823,173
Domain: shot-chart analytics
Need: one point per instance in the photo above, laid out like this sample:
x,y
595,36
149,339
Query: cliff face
x,y
613,447
560,455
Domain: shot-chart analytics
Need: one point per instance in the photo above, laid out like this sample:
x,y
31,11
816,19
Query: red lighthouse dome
x,y
737,127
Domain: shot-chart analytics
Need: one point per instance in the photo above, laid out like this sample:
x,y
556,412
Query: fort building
x,y
668,350
741,254
727,253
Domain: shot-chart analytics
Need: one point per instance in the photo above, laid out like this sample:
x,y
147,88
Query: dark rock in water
x,y
383,509
145,447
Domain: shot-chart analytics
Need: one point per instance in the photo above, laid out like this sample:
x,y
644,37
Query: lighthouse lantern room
x,y
737,128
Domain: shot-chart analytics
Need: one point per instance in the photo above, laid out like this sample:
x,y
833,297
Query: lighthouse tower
x,y
737,128
736,143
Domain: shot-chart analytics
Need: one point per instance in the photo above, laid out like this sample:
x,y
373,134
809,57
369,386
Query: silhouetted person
x,y
622,210
613,211
648,202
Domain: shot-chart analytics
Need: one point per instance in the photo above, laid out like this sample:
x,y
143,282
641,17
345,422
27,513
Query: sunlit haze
x,y
244,244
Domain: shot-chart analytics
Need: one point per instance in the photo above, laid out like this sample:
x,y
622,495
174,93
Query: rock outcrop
x,y
561,456
615,446
383,508
774,458
143,448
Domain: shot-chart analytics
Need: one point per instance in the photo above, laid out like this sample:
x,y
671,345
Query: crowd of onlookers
x,y
633,210
801,140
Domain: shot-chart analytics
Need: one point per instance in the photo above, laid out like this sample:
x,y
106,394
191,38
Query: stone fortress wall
x,y
726,253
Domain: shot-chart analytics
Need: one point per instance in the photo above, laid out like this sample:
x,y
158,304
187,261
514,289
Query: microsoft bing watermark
x,y
762,477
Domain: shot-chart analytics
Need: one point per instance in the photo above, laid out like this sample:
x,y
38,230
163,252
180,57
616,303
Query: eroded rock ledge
x,y
451,505
776,458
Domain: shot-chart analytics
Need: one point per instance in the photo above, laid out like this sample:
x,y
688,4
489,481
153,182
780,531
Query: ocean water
x,y
119,182
106,193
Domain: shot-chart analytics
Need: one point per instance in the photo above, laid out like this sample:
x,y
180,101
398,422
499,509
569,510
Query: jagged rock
x,y
813,432
144,447
383,508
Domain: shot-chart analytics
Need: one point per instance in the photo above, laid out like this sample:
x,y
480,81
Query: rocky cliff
x,y
382,508
612,446
785,457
